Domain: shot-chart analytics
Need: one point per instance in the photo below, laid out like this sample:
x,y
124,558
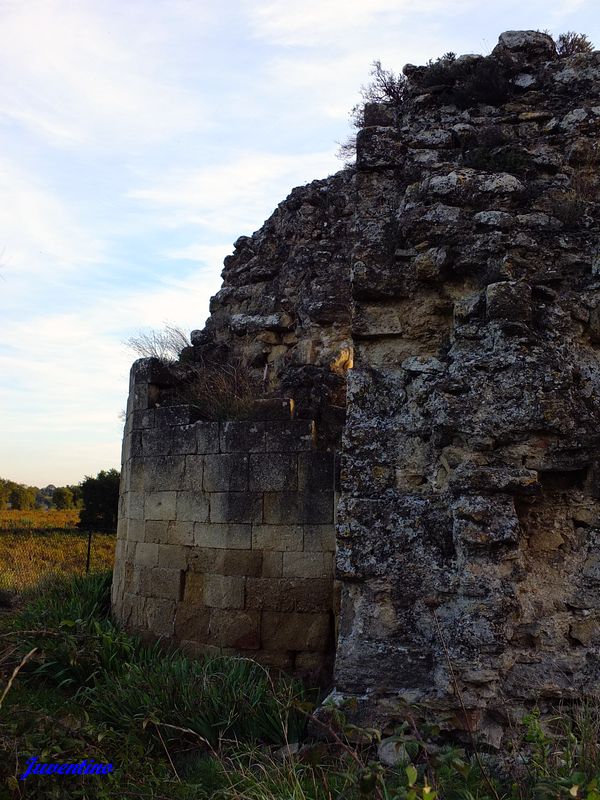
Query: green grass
x,y
215,728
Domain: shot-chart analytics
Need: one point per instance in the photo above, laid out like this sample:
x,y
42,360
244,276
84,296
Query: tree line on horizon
x,y
96,499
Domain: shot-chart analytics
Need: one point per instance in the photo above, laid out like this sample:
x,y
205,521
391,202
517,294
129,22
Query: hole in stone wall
x,y
553,481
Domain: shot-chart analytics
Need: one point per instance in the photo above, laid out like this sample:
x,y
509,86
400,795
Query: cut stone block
x,y
319,538
291,436
223,591
315,471
192,622
155,530
241,436
192,474
272,564
223,535
165,583
193,592
207,437
302,632
172,556
277,537
224,472
237,629
179,533
160,505
236,507
157,442
184,440
289,594
192,507
298,507
163,473
273,472
307,565
146,555
160,616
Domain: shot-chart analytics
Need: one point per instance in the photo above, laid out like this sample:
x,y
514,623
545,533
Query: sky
x,y
138,140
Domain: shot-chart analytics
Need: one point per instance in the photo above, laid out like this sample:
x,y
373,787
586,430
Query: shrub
x,y
220,391
570,43
165,345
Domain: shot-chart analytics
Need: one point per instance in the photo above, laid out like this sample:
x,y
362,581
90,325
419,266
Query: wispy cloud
x,y
91,73
237,195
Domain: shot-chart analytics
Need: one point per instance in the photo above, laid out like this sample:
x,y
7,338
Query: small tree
x,y
22,497
100,501
63,498
385,87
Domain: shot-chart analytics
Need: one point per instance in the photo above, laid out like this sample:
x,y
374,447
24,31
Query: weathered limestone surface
x,y
458,267
225,541
469,519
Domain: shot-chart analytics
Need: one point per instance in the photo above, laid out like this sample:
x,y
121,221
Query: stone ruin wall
x,y
457,270
226,534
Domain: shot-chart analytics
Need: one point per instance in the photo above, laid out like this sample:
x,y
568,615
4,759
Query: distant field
x,y
38,520
37,544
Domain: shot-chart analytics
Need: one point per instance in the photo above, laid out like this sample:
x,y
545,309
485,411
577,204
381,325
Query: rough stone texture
x,y
284,307
218,546
469,517
457,269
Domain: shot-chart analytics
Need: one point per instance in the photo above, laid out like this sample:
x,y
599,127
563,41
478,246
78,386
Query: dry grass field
x,y
35,545
38,519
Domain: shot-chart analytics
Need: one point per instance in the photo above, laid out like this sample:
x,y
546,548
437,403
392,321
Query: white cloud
x,y
76,75
39,233
314,22
236,196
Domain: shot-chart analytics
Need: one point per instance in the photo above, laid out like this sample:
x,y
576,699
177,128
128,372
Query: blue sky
x,y
139,139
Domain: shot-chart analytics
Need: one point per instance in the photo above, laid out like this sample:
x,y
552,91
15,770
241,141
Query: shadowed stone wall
x,y
226,533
